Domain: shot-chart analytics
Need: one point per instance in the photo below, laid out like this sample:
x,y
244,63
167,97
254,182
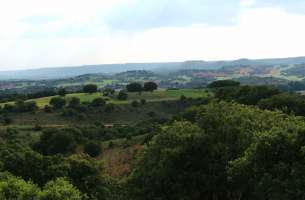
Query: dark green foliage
x,y
223,83
7,120
60,189
62,92
98,102
21,106
93,149
134,103
57,102
289,103
122,95
108,92
110,107
74,102
48,109
211,157
249,95
134,87
90,88
150,86
143,101
62,141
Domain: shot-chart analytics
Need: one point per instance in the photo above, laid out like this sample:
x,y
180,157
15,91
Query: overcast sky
x,y
45,33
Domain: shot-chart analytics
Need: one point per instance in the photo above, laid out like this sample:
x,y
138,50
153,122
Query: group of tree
x,y
223,151
138,87
263,96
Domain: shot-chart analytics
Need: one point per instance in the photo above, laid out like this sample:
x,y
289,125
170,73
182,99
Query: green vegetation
x,y
228,141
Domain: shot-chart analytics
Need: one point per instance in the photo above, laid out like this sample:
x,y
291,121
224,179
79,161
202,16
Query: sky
x,y
49,33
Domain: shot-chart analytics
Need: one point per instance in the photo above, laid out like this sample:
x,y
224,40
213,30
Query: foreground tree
x,y
60,189
211,157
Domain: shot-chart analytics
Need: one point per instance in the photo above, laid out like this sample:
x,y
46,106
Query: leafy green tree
x,y
286,102
57,102
134,87
15,188
86,174
74,102
224,83
58,141
150,86
109,107
207,158
122,95
108,92
60,189
62,92
98,102
143,101
93,149
134,103
90,88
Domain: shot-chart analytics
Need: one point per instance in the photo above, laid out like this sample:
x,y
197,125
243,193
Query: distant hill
x,y
66,72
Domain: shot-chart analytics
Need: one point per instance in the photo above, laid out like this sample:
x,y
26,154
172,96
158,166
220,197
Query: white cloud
x,y
257,33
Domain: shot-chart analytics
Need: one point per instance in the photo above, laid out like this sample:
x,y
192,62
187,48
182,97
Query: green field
x,y
156,96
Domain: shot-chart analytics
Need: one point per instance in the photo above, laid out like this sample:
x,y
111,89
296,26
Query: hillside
x,y
65,72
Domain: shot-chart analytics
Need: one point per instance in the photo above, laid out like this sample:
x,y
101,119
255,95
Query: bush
x,y
122,95
57,102
134,103
134,87
98,102
61,141
74,102
150,86
93,149
143,101
47,109
109,107
90,88
62,92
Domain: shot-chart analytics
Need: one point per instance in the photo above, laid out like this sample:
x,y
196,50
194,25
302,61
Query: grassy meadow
x,y
156,96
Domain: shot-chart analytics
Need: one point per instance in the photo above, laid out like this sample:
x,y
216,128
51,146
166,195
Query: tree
x,y
98,102
134,103
246,154
224,83
134,87
16,188
62,92
108,92
143,101
90,88
93,149
57,141
109,107
60,189
150,86
74,102
57,102
122,95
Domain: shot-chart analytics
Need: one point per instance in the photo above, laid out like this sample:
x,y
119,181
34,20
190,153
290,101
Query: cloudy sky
x,y
45,33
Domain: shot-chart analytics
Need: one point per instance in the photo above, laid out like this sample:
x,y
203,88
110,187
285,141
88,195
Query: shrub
x,y
134,103
122,95
98,102
93,149
57,102
90,88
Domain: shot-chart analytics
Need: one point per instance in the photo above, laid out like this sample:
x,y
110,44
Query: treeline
x,y
265,97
